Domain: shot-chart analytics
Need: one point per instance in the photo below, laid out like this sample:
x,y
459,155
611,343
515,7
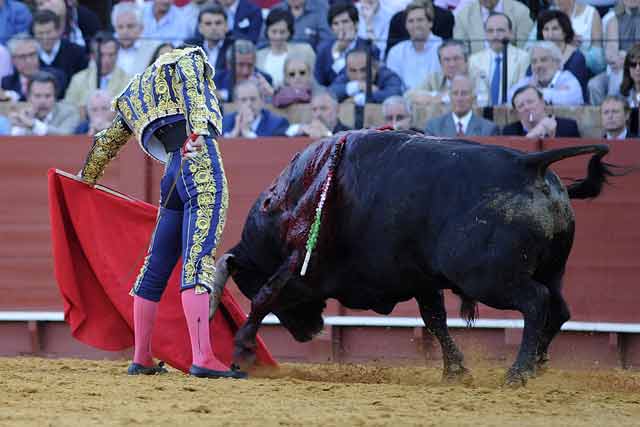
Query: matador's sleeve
x,y
106,145
191,69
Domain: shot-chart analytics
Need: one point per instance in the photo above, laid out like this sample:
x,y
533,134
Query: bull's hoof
x,y
518,377
542,364
457,375
243,357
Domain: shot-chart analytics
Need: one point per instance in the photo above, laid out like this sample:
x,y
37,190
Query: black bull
x,y
407,217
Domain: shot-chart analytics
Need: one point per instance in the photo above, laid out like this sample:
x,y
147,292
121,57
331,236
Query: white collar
x,y
48,58
621,135
553,81
464,120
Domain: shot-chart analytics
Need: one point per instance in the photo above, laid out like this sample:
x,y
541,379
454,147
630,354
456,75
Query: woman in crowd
x,y
587,25
555,26
279,29
298,82
630,87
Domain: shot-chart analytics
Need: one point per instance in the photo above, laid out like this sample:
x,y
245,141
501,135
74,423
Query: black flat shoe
x,y
200,372
138,369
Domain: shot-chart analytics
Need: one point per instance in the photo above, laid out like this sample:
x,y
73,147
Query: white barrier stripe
x,y
373,321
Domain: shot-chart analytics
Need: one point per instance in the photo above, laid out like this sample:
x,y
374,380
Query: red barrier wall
x,y
600,282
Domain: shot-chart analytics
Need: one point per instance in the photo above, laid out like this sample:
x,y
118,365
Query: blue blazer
x,y
388,82
253,16
270,124
323,72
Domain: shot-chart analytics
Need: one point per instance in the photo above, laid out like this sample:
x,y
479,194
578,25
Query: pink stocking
x,y
144,315
196,311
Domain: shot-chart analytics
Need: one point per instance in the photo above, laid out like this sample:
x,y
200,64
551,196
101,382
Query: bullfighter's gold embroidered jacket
x,y
177,86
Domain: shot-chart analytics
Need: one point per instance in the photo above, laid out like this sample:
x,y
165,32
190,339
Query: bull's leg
x,y
532,300
261,305
558,314
433,314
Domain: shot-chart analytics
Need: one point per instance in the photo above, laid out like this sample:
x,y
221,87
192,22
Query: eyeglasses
x,y
300,73
26,55
633,64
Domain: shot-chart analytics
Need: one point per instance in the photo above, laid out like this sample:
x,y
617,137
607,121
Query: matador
x,y
172,99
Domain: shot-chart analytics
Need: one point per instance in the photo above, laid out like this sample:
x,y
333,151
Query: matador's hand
x,y
192,148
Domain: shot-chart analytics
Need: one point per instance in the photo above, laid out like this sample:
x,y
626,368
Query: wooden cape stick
x,y
97,186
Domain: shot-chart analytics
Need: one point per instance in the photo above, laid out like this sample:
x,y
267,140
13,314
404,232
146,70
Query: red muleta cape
x,y
100,238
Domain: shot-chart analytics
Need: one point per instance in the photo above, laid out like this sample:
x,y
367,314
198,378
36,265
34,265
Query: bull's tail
x,y
598,171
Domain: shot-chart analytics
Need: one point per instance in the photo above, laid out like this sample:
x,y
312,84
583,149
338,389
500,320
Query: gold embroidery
x,y
202,171
160,104
106,145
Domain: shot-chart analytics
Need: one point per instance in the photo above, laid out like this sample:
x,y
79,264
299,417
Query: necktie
x,y
495,81
460,129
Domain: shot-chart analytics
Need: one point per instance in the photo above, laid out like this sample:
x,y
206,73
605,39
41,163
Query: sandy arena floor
x,y
46,392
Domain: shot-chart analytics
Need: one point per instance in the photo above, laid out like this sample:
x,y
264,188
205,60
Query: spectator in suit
x,y
555,26
396,112
134,53
559,87
252,119
614,116
245,69
112,78
352,81
213,35
434,90
43,115
487,63
608,82
442,25
24,55
373,23
15,18
99,114
244,19
471,18
310,21
279,29
331,59
324,117
420,50
298,82
55,51
528,101
80,24
461,120
165,22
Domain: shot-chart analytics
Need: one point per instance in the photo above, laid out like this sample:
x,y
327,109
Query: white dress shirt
x,y
412,66
464,120
48,58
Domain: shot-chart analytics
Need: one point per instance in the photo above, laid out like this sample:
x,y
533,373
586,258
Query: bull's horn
x,y
219,282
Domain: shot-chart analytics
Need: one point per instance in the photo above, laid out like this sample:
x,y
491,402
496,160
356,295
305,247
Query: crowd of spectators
x,y
60,64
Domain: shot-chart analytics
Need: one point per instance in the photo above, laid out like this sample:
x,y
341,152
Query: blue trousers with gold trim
x,y
190,223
